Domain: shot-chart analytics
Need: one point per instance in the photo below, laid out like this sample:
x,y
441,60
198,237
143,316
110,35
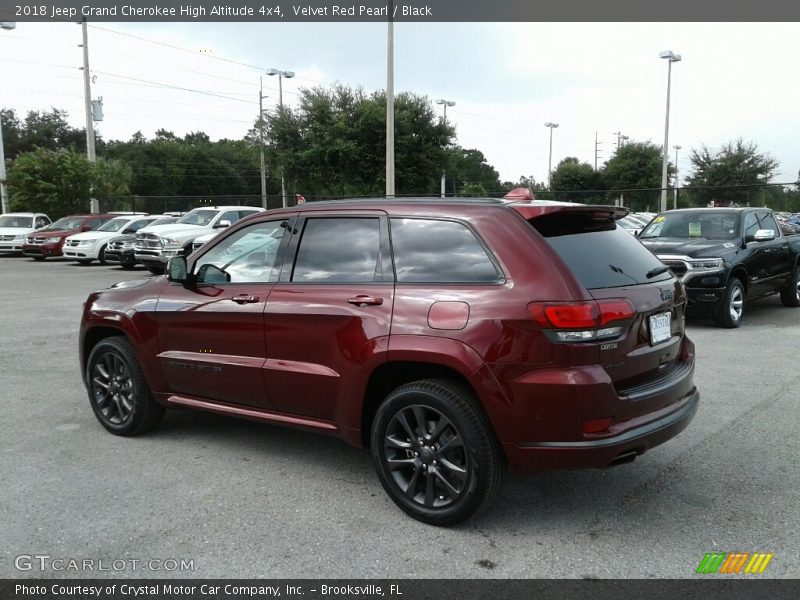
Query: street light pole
x,y
550,157
671,57
390,105
8,25
445,104
261,97
675,199
281,75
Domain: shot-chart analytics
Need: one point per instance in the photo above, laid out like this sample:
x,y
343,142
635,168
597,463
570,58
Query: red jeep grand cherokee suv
x,y
449,336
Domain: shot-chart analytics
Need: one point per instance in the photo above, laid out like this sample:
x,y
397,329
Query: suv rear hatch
x,y
636,330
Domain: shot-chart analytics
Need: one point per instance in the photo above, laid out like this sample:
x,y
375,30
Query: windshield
x,y
16,221
713,224
163,221
113,225
198,216
65,224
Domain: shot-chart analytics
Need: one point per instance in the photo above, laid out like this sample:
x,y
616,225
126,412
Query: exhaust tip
x,y
624,458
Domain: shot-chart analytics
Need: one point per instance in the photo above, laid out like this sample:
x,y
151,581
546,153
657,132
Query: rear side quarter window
x,y
439,251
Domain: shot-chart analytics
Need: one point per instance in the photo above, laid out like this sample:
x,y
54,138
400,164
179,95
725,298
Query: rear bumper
x,y
637,436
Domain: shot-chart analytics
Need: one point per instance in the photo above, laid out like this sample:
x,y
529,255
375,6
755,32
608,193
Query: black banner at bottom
x,y
397,589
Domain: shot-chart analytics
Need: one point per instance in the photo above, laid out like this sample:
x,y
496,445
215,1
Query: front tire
x,y
790,295
156,270
101,256
119,395
435,453
731,309
39,258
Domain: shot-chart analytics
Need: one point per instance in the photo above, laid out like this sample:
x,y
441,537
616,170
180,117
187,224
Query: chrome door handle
x,y
365,301
245,299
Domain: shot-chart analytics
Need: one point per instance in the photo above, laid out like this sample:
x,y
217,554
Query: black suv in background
x,y
726,256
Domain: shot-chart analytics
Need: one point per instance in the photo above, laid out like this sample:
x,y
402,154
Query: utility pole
x,y
261,97
675,199
445,104
390,104
596,150
550,158
94,207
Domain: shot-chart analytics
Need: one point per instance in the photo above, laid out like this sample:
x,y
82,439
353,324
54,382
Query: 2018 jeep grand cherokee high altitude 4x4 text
x,y
451,337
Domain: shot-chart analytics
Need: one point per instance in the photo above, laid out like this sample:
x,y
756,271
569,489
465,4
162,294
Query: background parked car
x,y
156,245
49,240
15,227
90,245
120,249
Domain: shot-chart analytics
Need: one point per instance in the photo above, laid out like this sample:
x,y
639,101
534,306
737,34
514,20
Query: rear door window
x,y
438,251
339,250
599,254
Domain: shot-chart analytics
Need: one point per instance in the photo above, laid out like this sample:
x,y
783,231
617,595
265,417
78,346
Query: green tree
x,y
49,130
111,178
634,172
578,182
56,182
737,173
467,169
333,143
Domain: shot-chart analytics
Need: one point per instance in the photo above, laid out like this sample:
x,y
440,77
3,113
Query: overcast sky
x,y
735,80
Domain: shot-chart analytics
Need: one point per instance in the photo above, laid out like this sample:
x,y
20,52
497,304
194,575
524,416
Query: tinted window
x,y
249,254
768,222
339,250
431,251
713,224
598,253
231,215
750,225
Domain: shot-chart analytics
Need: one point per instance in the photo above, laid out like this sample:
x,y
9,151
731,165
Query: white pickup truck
x,y
155,245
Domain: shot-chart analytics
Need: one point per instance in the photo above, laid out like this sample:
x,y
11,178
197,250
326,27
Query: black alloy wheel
x,y
118,392
435,453
426,456
790,295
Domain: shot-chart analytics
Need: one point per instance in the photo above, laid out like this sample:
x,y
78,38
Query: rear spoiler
x,y
599,213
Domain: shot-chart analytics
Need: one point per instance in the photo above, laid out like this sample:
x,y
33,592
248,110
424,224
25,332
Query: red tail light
x,y
582,321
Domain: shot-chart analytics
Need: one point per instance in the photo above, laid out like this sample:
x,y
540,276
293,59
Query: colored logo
x,y
734,562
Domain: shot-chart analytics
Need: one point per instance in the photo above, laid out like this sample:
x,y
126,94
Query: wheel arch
x,y
391,375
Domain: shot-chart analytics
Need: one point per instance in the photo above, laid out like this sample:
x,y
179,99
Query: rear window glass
x,y
433,251
600,254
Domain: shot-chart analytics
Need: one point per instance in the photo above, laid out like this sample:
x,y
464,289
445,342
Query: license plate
x,y
660,328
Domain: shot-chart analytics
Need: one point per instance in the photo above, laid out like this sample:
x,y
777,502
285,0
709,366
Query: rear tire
x,y
731,310
435,453
790,295
119,395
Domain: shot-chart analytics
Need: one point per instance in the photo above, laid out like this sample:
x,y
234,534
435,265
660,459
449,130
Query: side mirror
x,y
222,223
209,273
176,270
764,235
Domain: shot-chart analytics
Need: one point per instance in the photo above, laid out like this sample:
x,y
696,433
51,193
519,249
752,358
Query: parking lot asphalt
x,y
243,499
